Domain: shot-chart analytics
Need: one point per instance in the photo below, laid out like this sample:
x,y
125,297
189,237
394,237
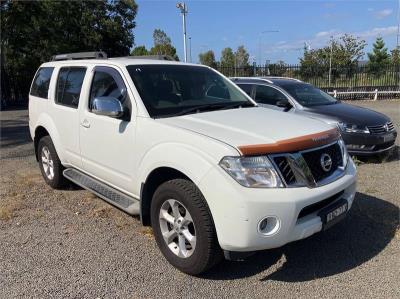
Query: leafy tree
x,y
162,45
227,58
379,58
33,31
346,52
278,68
242,57
208,58
139,51
395,57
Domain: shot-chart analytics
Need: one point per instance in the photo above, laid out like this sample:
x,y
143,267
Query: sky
x,y
230,23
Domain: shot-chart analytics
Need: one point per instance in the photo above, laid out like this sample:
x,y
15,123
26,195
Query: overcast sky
x,y
219,24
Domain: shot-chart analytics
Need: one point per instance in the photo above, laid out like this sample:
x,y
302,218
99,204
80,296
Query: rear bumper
x,y
369,144
237,211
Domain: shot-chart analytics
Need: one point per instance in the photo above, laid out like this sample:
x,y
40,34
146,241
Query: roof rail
x,y
280,77
251,78
80,55
152,57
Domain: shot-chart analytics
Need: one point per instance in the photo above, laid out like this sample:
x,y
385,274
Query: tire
x,y
46,151
184,195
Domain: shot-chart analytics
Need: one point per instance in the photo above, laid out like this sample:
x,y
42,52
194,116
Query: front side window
x,y
69,85
308,95
171,90
246,88
268,95
41,82
107,82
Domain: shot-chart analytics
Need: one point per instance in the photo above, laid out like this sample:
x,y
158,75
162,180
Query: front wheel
x,y
183,227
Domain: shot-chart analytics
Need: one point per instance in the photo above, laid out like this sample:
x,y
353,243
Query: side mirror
x,y
107,106
284,104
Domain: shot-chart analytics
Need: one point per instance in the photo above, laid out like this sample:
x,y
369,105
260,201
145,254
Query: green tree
x,y
346,51
379,58
208,58
227,58
139,51
163,45
33,31
395,56
242,57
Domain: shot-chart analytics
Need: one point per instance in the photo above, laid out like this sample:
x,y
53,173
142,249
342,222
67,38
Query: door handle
x,y
85,123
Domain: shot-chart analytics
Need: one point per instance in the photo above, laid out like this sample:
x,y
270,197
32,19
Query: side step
x,y
115,197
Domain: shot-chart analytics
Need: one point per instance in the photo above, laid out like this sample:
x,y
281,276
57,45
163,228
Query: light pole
x,y
259,42
190,49
330,62
183,8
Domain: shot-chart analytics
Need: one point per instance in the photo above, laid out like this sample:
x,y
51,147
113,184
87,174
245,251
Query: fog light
x,y
269,225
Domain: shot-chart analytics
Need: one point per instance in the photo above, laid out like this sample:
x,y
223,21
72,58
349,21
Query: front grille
x,y
313,160
383,146
380,129
319,205
285,169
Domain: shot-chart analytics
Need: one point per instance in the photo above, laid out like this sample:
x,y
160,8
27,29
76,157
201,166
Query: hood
x,y
349,114
248,126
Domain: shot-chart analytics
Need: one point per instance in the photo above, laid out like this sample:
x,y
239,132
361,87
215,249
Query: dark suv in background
x,y
365,132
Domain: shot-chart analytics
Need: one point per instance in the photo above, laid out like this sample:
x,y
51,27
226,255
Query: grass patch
x,y
12,203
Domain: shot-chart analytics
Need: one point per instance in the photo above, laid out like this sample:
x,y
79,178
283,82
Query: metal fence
x,y
355,82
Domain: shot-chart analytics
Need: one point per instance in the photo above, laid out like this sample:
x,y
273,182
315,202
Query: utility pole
x,y
259,43
183,9
330,62
190,49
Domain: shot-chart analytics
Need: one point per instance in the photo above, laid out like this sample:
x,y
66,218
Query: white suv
x,y
183,147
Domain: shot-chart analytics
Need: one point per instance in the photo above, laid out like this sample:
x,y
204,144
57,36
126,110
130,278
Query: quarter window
x,y
40,85
268,95
69,85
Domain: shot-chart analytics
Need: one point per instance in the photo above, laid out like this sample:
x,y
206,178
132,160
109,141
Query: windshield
x,y
308,95
170,90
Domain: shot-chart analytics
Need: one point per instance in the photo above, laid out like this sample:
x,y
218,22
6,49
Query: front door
x,y
108,144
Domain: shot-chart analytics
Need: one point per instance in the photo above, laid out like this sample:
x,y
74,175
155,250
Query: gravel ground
x,y
71,244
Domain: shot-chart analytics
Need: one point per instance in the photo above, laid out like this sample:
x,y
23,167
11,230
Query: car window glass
x,y
40,85
246,88
268,95
107,82
69,85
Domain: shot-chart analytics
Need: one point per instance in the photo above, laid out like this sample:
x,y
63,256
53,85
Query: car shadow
x,y
363,234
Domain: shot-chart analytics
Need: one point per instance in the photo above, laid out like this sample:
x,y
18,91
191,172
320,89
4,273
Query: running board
x,y
126,203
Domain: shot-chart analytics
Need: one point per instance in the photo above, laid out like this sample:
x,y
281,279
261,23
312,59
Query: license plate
x,y
333,213
387,138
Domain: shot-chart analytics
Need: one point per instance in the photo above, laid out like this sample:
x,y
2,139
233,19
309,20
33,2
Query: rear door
x,y
108,144
67,96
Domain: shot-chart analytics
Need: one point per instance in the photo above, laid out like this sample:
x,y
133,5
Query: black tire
x,y
207,252
57,181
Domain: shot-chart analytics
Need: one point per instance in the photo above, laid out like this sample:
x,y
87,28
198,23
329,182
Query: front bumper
x,y
237,211
369,144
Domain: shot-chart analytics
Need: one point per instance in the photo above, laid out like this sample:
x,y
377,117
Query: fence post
x,y
376,95
335,93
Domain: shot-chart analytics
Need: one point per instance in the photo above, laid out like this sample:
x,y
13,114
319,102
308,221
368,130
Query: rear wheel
x,y
183,227
49,163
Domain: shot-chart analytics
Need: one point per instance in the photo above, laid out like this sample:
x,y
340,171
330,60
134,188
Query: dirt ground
x,y
71,244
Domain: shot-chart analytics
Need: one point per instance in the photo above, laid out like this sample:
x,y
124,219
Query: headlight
x,y
350,128
255,172
345,154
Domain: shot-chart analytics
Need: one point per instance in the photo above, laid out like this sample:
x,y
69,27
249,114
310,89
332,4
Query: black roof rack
x,y
153,57
80,55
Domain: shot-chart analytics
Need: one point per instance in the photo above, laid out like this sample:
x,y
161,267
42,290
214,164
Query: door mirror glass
x,y
107,106
284,104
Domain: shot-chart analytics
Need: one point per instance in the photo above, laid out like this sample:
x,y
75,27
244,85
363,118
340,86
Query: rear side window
x,y
268,95
40,84
246,88
69,85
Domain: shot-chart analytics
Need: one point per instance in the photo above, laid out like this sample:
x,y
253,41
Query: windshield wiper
x,y
214,106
